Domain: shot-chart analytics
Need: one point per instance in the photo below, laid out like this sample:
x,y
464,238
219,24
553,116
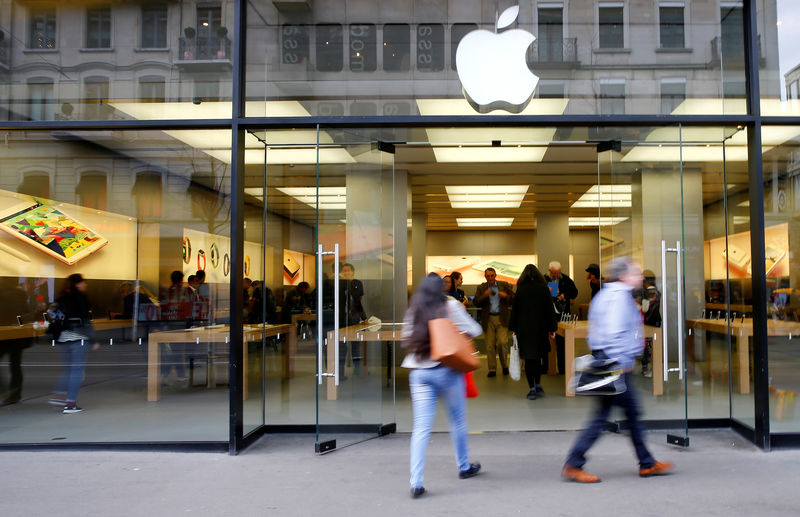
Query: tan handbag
x,y
450,347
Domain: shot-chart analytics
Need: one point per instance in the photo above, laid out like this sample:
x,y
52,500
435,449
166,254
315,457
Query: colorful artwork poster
x,y
472,267
53,229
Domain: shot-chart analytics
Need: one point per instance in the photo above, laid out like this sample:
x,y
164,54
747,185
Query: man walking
x,y
615,327
563,291
494,298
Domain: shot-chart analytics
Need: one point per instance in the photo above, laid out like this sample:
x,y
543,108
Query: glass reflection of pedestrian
x,y
615,329
14,310
73,344
351,312
456,279
429,379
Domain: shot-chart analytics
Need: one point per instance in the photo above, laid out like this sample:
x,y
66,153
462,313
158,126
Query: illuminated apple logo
x,y
492,67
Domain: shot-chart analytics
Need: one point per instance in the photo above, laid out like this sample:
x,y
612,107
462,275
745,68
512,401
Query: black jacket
x,y
532,319
566,287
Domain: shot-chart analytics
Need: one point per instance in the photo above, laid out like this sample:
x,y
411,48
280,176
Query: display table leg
x,y
743,355
569,360
153,370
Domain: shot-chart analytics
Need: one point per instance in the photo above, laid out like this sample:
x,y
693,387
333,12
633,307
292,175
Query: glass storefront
x,y
236,292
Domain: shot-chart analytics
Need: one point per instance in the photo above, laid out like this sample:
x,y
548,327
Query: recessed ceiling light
x,y
605,196
330,198
483,222
595,221
486,196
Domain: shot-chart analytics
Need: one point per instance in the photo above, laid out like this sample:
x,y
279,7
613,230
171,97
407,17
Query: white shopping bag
x,y
513,361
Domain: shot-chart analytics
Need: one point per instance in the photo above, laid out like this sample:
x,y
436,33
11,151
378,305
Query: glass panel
x,y
781,151
65,46
143,217
357,199
779,62
662,187
414,71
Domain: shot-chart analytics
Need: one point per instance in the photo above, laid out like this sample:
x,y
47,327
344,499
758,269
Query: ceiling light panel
x,y
484,222
486,196
605,196
595,221
330,198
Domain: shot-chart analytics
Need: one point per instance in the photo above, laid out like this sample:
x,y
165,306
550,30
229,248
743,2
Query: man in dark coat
x,y
563,291
533,321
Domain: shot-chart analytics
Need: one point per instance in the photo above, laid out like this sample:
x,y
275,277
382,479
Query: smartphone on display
x,y
737,257
291,266
19,320
43,225
773,255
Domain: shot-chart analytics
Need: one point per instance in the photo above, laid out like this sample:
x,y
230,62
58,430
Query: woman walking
x,y
430,379
73,343
533,321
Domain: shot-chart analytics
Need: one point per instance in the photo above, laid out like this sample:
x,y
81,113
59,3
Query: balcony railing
x,y
211,48
564,51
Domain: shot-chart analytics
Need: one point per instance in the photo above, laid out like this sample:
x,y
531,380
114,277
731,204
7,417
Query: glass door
x,y
662,200
357,219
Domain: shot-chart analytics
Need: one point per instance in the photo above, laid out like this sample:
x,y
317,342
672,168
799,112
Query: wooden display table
x,y
362,333
580,330
27,331
213,336
742,331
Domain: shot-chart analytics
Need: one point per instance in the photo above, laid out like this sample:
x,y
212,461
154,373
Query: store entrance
x,y
416,200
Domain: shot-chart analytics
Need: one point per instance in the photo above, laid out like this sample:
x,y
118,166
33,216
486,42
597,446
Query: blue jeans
x,y
426,385
74,355
629,403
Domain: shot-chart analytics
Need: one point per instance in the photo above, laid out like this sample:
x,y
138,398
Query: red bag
x,y
472,388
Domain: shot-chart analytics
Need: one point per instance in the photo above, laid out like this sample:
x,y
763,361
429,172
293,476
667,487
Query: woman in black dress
x,y
533,321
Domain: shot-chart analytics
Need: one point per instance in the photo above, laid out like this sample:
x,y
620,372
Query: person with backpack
x,y
71,328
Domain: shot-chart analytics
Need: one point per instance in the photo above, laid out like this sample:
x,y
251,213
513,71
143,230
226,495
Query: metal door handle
x,y
320,336
322,373
681,311
336,314
664,311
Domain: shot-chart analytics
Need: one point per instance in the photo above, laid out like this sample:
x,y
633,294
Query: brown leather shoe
x,y
658,469
578,475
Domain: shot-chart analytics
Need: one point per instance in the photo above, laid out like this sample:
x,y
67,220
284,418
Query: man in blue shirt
x,y
615,327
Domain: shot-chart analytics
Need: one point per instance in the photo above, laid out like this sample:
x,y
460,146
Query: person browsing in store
x,y
494,298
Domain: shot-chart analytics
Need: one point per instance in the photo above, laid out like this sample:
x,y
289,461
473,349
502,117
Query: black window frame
x,y
155,20
98,27
672,26
610,32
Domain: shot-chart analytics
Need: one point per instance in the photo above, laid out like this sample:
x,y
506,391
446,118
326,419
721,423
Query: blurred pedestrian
x,y
430,379
533,321
615,329
73,342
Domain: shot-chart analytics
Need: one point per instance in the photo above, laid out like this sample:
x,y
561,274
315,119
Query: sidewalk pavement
x,y
720,474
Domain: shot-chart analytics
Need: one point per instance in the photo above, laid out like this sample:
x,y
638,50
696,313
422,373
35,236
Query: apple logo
x,y
492,67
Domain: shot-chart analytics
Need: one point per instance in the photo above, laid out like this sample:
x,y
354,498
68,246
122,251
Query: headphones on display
x,y
226,265
247,265
214,255
187,250
201,255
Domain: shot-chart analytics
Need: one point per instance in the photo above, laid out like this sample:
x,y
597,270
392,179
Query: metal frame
x,y
753,121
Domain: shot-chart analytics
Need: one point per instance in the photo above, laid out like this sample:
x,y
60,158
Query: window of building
x,y
35,184
206,89
430,47
396,47
671,25
363,43
550,44
550,90
294,44
40,99
96,93
732,34
673,93
209,42
611,25
154,26
329,41
147,193
98,27
612,97
43,29
793,90
92,191
152,89
457,33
